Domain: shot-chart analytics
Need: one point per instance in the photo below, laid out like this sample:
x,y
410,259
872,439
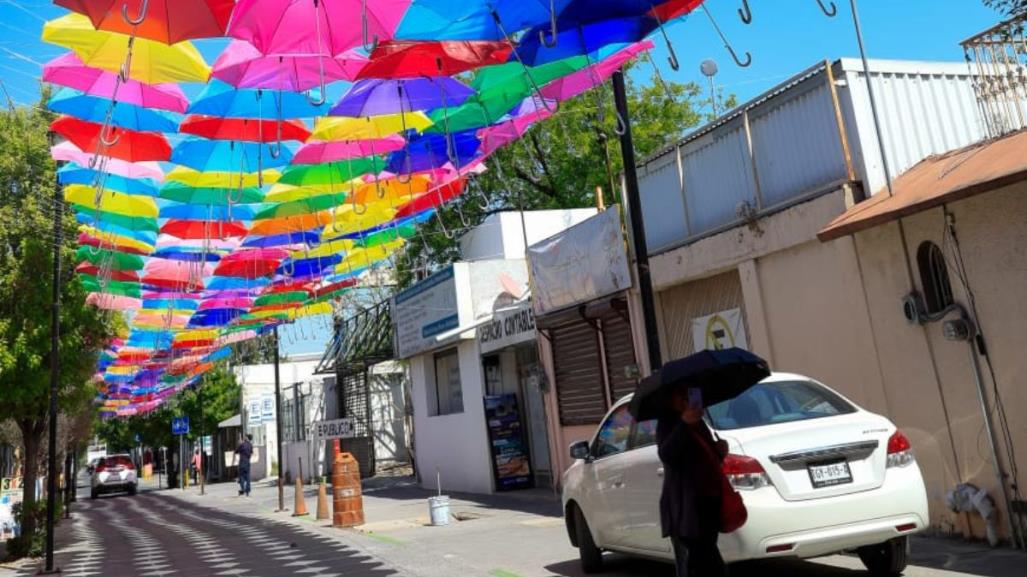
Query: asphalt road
x,y
147,535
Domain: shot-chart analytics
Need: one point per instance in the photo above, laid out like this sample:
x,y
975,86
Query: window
x,y
645,434
778,402
449,397
934,276
614,433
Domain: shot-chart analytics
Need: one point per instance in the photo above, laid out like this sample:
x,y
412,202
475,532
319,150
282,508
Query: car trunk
x,y
819,458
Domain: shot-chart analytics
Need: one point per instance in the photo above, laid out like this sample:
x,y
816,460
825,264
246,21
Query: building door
x,y
530,384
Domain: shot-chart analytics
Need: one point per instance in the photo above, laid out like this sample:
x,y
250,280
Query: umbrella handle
x,y
368,46
138,19
442,225
105,136
829,12
748,57
745,13
672,57
534,86
551,41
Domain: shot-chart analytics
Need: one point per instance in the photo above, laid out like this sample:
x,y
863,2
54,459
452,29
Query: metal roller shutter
x,y
620,353
579,378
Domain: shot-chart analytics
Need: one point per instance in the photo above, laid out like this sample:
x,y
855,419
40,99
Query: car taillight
x,y
130,466
101,468
900,451
745,472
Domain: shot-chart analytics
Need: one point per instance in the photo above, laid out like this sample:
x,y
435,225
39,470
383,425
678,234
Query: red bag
x,y
733,513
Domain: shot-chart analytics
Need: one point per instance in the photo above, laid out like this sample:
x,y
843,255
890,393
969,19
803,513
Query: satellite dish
x,y
708,68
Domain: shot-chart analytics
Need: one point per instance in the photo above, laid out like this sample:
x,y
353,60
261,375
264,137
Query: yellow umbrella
x,y
213,179
110,201
392,192
311,310
197,335
151,62
326,249
367,127
349,220
291,192
116,240
360,258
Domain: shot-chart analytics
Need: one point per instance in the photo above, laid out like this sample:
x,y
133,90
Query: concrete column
x,y
755,315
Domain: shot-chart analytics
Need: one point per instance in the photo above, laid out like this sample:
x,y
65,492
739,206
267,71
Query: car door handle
x,y
659,472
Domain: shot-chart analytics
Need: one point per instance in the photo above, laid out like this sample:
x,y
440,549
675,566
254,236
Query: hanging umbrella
x,y
89,236
186,253
431,200
322,27
474,20
68,152
128,145
409,59
101,110
170,303
221,99
203,229
327,249
282,240
308,267
720,374
348,129
291,297
113,222
87,268
499,135
216,179
379,97
584,39
348,221
228,155
151,62
72,173
175,274
115,288
112,302
332,173
210,212
248,129
583,80
112,259
68,70
290,224
203,195
226,303
250,263
166,21
109,201
429,151
307,205
243,66
321,152
215,317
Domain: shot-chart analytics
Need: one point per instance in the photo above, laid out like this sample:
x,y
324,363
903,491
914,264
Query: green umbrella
x,y
180,192
302,206
114,259
290,297
138,223
120,288
331,173
390,234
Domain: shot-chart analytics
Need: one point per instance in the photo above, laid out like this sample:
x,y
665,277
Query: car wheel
x,y
886,559
591,556
132,489
94,494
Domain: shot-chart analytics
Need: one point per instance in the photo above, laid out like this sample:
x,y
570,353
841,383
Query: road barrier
x,y
347,500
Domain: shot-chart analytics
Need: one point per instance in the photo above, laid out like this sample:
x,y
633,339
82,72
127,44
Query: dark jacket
x,y
691,472
245,451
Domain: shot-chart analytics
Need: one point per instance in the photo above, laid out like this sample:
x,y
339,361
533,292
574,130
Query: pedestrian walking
x,y
690,504
197,466
243,453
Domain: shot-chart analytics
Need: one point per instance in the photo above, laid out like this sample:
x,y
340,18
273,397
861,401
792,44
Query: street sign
x,y
334,429
179,425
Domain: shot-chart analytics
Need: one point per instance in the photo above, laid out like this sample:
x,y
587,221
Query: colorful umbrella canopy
x,y
68,70
333,174
69,152
209,212
244,66
129,145
221,99
152,62
72,173
474,19
166,21
409,59
203,229
205,195
251,130
584,39
251,263
373,127
320,152
429,151
578,82
228,155
379,97
95,109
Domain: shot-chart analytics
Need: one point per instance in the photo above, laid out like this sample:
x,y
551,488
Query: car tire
x,y
132,489
591,556
886,559
94,494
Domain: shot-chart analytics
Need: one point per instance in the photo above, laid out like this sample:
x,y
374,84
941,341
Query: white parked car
x,y
113,474
818,475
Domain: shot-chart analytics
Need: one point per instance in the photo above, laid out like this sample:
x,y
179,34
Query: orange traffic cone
x,y
300,505
322,502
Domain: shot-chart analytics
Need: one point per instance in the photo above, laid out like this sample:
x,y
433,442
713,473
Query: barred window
x,y
934,276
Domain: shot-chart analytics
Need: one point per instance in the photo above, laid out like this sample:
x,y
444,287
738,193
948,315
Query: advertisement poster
x,y
424,311
718,331
10,494
510,463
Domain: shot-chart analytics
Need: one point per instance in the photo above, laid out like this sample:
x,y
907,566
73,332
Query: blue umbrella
x,y
184,211
429,151
583,39
228,155
221,99
473,19
215,317
179,304
146,236
308,267
218,283
376,97
122,114
277,240
187,254
72,173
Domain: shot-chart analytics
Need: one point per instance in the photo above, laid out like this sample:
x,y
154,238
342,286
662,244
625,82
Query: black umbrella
x,y
720,374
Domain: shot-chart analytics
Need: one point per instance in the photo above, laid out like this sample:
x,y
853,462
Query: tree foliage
x,y
559,164
26,260
1008,7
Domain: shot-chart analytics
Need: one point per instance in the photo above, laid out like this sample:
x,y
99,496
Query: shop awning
x,y
230,422
939,180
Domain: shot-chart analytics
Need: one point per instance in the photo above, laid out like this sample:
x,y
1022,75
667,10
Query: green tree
x,y
1008,7
26,259
559,164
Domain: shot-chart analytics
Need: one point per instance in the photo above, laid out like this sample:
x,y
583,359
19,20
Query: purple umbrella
x,y
394,96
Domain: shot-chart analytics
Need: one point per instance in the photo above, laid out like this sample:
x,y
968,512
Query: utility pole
x,y
203,468
55,376
641,249
278,430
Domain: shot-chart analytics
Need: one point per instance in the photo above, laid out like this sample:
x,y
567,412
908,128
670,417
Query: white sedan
x,y
113,474
818,474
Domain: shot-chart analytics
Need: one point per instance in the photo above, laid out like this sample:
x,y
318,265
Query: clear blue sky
x,y
785,37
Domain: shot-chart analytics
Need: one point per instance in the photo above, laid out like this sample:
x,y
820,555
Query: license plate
x,y
830,474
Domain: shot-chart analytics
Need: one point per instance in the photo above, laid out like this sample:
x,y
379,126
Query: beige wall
x,y
682,303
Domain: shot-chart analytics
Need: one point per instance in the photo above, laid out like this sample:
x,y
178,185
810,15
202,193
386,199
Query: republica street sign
x,y
334,429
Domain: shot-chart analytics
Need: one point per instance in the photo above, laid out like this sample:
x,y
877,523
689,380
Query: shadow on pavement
x,y
541,502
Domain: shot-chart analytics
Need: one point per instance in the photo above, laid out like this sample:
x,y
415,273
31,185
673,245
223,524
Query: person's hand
x,y
722,448
691,415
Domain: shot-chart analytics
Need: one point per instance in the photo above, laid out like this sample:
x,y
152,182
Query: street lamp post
x,y
55,376
278,429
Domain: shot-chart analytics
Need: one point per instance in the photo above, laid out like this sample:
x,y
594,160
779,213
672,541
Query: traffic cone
x,y
322,502
300,505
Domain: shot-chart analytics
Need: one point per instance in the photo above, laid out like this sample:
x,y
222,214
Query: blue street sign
x,y
179,425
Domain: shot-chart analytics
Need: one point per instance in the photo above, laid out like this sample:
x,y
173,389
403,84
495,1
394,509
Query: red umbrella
x,y
120,143
251,264
432,199
409,59
175,274
115,275
204,229
248,129
167,21
328,289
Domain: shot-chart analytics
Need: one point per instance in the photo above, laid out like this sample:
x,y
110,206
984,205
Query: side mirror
x,y
580,450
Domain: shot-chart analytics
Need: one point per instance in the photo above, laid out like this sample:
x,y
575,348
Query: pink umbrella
x,y
68,152
68,70
175,274
499,135
588,78
226,303
113,302
236,338
162,320
243,66
320,152
291,27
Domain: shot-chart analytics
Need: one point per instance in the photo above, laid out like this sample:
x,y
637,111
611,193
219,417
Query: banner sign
x,y
253,412
267,408
423,311
721,330
507,328
334,429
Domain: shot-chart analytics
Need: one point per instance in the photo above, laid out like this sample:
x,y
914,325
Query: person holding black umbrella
x,y
690,502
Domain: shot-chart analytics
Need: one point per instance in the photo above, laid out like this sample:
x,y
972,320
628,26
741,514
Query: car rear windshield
x,y
119,461
778,402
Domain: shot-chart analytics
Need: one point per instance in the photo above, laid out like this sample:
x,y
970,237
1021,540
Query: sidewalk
x,y
522,534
